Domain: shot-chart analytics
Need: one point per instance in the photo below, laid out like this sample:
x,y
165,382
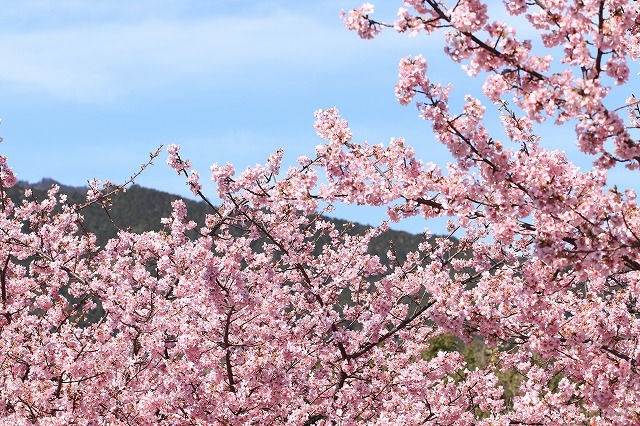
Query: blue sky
x,y
89,88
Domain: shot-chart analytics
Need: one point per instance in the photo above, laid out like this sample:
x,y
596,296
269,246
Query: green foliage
x,y
477,355
442,343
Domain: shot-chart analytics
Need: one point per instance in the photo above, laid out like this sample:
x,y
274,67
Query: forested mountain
x,y
140,209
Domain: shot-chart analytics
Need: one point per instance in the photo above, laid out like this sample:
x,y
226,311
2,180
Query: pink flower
x,y
358,20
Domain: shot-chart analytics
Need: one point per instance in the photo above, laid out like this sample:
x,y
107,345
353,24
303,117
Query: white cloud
x,y
99,61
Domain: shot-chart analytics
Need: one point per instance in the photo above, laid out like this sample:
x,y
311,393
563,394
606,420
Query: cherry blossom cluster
x,y
358,20
184,167
265,312
7,178
597,38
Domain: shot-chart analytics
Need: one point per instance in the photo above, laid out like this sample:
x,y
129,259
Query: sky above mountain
x,y
89,88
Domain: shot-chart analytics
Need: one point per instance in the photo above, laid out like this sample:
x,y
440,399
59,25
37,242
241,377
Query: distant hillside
x,y
140,209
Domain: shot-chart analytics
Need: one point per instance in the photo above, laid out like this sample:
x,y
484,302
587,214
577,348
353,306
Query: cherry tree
x,y
271,314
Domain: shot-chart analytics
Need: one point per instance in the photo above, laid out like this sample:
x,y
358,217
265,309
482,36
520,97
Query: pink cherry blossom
x,y
266,312
358,20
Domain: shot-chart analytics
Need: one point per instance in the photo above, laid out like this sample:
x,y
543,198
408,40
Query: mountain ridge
x,y
140,209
